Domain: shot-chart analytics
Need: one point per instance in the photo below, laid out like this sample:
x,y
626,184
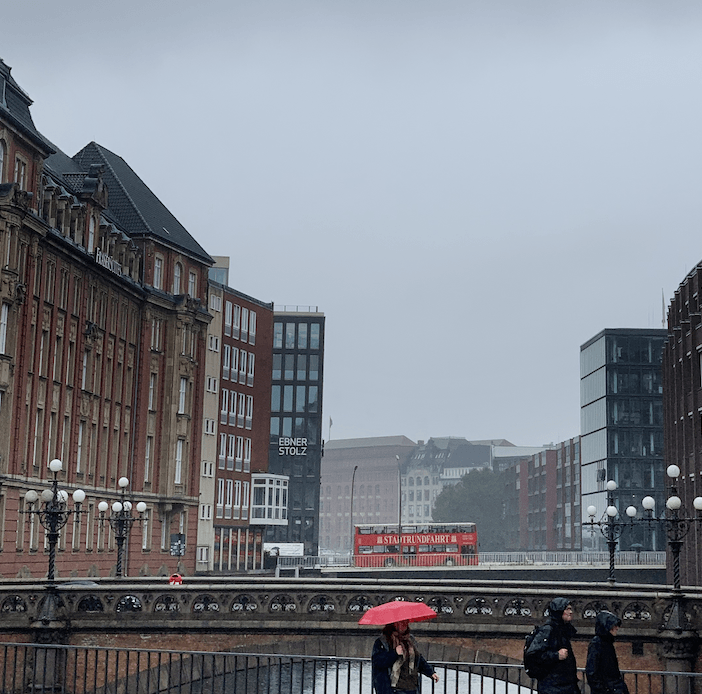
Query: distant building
x,y
295,441
433,465
375,486
542,499
621,396
682,410
235,438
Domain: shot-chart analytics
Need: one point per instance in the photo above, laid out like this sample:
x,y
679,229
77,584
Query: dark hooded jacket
x,y
602,668
562,677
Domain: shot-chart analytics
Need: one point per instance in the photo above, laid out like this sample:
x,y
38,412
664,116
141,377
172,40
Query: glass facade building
x,y
621,425
296,422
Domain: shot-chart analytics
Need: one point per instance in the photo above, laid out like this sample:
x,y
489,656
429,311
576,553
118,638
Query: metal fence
x,y
487,558
43,669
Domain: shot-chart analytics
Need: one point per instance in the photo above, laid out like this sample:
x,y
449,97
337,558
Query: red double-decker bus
x,y
432,544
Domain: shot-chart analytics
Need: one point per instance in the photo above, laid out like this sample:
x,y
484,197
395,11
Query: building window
x,y
213,343
277,336
4,312
239,453
145,528
249,411
178,476
236,327
207,468
181,395
21,173
192,283
210,426
232,407
229,499
220,498
152,392
235,363
242,367
242,406
222,451
205,511
203,553
226,359
237,499
177,278
302,336
247,455
314,336
231,451
211,384
228,318
250,371
158,272
3,155
91,234
252,328
215,302
225,406
148,453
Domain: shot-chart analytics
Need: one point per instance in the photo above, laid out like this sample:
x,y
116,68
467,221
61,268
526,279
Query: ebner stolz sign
x,y
288,446
108,262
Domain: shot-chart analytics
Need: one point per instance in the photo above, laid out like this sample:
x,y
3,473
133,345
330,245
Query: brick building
x,y
682,412
103,326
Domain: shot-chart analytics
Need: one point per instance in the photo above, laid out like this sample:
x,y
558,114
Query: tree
x,y
477,498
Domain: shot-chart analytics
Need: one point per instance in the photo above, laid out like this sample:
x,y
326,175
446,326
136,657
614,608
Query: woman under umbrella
x,y
397,662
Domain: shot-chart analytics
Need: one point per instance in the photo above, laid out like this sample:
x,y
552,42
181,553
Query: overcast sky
x,y
468,190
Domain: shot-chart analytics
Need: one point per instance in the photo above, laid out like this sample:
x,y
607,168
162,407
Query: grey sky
x,y
468,190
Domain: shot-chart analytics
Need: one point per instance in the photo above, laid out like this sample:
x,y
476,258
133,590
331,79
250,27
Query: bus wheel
x,y
389,562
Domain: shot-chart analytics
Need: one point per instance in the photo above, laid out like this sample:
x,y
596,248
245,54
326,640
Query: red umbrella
x,y
397,611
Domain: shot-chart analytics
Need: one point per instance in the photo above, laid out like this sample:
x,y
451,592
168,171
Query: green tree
x,y
477,498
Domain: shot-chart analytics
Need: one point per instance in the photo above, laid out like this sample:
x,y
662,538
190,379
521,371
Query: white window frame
x,y
236,323
182,393
250,370
192,283
4,315
242,367
219,511
244,324
247,454
226,360
225,406
148,452
158,272
239,453
245,500
177,277
249,411
231,447
228,499
252,327
222,451
228,318
237,499
178,471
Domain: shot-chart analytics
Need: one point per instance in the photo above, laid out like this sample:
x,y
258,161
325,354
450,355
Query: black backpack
x,y
532,656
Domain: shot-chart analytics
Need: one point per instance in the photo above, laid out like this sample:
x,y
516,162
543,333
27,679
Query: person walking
x,y
552,649
602,667
397,662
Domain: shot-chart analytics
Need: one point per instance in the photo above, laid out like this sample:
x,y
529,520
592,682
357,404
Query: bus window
x,y
365,550
423,548
452,549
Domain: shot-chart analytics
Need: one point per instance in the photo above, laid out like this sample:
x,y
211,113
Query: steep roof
x,y
14,106
134,206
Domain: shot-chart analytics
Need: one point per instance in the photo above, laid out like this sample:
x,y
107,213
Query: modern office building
x,y
363,474
682,412
295,440
621,421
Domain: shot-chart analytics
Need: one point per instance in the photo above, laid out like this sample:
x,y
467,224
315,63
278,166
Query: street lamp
x,y
53,512
611,525
675,520
121,519
353,485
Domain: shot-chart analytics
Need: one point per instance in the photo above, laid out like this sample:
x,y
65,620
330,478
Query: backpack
x,y
533,666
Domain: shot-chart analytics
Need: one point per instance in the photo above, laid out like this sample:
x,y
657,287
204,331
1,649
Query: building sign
x,y
290,446
177,544
108,262
418,539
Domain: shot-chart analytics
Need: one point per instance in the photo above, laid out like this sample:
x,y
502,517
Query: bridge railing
x,y
326,561
43,669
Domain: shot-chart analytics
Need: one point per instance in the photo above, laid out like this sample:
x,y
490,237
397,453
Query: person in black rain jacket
x,y
602,668
555,652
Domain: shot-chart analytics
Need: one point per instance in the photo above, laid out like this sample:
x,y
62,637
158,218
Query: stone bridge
x,y
479,621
